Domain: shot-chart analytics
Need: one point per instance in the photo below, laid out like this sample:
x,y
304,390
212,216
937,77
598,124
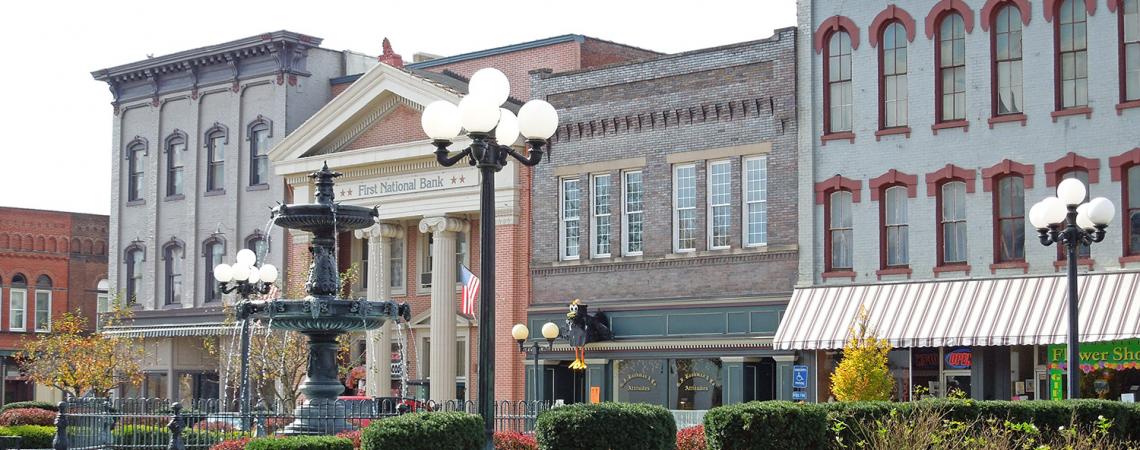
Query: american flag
x,y
470,291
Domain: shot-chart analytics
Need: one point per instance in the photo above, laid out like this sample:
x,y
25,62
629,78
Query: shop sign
x,y
638,382
409,184
959,358
1099,355
696,381
925,358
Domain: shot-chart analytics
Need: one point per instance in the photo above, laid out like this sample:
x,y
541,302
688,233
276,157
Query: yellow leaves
x,y
77,361
863,373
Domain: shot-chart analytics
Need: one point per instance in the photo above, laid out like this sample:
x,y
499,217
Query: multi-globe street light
x,y
246,279
1067,220
492,130
550,331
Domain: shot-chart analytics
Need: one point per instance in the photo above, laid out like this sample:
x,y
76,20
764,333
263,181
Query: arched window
x,y
1071,55
43,304
18,303
260,246
1009,220
894,235
135,153
214,250
840,245
950,55
175,148
952,223
216,140
259,134
893,79
837,92
1129,19
1005,41
134,273
1131,187
172,258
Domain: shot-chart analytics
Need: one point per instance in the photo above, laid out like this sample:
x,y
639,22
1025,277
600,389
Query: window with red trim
x,y
1084,251
1009,219
837,96
894,235
1132,210
1130,50
839,230
951,56
1006,43
892,80
1072,55
952,223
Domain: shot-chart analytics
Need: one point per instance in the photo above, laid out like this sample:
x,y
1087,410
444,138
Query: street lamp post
x,y
246,279
1066,221
520,332
492,131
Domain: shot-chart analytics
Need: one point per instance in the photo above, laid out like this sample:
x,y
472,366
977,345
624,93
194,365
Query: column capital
x,y
386,230
440,224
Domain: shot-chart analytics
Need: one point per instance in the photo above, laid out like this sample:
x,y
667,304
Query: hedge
x,y
604,426
766,425
300,443
151,437
34,436
27,416
425,431
37,405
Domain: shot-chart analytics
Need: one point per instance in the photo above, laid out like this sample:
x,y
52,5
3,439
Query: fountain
x,y
322,315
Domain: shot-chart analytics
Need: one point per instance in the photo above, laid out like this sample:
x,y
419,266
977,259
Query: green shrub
x,y
152,437
34,436
603,426
300,443
425,431
27,416
766,425
37,405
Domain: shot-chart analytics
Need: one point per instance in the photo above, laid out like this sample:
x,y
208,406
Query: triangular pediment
x,y
375,110
423,320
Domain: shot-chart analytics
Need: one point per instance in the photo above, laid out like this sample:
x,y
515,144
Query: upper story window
x,y
952,223
216,160
42,318
1009,220
1131,187
396,274
684,208
1130,50
719,204
893,80
601,205
1072,55
213,250
260,247
895,236
175,149
18,303
568,227
428,256
363,263
103,296
840,246
172,258
135,155
259,154
950,54
1083,251
1007,70
634,221
755,201
135,273
837,92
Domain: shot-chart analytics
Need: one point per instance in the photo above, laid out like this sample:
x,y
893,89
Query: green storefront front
x,y
1110,370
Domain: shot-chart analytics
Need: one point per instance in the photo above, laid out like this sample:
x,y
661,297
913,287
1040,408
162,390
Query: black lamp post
x,y
247,281
1066,221
550,331
479,113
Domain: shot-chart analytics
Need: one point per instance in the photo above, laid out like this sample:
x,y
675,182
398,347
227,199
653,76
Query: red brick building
x,y
51,262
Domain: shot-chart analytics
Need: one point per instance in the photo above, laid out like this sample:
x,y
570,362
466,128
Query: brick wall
x,y
597,52
399,125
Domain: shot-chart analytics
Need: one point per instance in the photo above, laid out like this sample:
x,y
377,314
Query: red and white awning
x,y
989,311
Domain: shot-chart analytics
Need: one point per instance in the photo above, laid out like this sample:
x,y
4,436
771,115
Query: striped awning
x,y
989,311
137,331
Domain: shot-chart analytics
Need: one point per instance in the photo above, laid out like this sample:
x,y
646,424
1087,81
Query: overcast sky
x,y
56,120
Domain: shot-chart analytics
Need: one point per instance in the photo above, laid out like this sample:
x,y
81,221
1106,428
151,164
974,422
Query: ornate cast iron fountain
x,y
322,315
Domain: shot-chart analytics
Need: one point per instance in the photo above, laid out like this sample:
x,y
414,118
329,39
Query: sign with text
x,y
799,377
410,183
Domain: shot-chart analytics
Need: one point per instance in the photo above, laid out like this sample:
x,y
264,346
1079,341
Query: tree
x,y
79,362
863,373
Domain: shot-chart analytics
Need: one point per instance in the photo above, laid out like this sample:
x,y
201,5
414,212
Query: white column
x,y
443,275
378,343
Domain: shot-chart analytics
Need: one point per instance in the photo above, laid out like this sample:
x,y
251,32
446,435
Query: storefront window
x,y
1110,370
697,384
641,381
924,376
899,363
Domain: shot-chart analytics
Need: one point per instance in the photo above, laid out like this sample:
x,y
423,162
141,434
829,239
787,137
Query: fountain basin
x,y
332,316
318,217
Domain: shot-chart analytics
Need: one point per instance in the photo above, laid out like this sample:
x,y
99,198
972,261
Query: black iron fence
x,y
162,424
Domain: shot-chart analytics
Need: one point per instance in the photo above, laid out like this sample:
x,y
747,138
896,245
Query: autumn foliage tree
x,y
78,361
863,374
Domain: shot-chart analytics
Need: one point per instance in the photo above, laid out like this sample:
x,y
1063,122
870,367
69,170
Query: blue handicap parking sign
x,y
799,377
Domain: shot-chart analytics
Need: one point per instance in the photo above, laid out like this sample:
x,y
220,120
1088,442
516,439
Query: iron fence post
x,y
175,426
60,440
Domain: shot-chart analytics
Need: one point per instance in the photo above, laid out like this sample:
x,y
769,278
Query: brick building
x,y
370,131
669,205
928,130
51,262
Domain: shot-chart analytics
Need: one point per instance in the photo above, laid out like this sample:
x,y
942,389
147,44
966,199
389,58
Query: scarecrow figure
x,y
584,329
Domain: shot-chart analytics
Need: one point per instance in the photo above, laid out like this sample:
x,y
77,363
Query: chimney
x,y
390,57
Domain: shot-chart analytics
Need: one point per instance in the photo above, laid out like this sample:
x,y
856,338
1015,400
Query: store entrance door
x,y
956,380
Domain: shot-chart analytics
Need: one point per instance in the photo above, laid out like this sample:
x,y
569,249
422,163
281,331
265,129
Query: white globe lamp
x,y
1054,210
1101,211
478,113
440,121
246,257
537,120
1071,191
492,83
520,332
507,132
223,273
268,273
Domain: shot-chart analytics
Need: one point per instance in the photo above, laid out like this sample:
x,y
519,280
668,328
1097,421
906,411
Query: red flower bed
x,y
692,438
27,416
354,435
510,440
233,444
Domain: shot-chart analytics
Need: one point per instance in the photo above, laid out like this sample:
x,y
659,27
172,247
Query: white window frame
x,y
595,249
676,216
709,206
23,294
461,338
763,201
424,263
402,289
562,220
36,312
626,213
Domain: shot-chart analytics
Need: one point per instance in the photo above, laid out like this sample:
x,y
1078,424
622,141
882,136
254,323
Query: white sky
x,y
56,120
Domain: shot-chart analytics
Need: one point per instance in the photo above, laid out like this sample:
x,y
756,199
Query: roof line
x,y
496,51
199,52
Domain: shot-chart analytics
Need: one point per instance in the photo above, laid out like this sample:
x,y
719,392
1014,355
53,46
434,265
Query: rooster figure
x,y
583,329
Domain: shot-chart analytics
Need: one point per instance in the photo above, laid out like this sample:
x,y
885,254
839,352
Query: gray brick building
x,y
928,129
669,204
